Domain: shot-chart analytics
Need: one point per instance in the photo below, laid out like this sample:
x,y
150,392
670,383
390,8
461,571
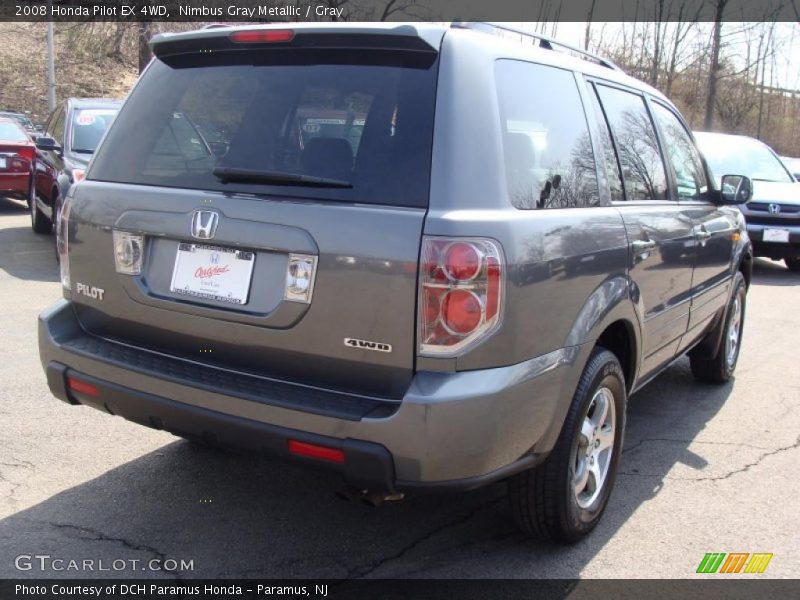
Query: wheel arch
x,y
608,318
619,339
746,265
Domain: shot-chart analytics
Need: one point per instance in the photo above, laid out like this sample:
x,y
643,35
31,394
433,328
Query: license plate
x,y
2,163
776,235
213,273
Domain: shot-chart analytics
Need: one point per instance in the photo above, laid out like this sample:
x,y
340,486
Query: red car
x,y
17,154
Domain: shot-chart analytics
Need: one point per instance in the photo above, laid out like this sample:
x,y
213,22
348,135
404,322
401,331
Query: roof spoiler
x,y
211,39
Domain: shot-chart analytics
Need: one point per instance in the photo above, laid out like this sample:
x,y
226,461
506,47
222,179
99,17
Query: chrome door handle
x,y
702,235
640,246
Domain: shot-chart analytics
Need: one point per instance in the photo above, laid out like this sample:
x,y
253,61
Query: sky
x,y
787,59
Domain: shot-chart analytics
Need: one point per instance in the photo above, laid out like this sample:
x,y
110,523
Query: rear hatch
x,y
276,193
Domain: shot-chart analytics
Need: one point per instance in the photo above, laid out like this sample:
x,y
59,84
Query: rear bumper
x,y
774,250
14,183
451,430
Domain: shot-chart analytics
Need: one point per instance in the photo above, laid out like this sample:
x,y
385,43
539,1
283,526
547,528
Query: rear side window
x,y
636,143
361,120
548,152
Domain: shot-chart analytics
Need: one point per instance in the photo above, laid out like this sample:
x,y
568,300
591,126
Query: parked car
x,y
793,164
434,303
16,160
20,118
73,131
773,213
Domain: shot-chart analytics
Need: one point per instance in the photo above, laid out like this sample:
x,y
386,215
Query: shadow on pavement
x,y
12,207
771,272
24,254
246,516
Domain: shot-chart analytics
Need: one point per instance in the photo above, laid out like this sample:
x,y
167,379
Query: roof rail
x,y
545,42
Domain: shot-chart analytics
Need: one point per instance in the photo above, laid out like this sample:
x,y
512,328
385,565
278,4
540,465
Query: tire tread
x,y
534,494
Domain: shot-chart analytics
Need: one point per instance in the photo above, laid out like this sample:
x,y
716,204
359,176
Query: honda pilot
x,y
429,257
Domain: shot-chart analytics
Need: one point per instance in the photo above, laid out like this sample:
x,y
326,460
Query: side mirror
x,y
736,189
47,144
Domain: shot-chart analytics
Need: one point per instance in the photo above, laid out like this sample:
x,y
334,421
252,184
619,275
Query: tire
x,y
793,264
39,223
719,368
559,500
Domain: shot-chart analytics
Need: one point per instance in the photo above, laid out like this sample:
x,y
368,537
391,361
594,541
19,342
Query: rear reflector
x,y
313,451
81,387
262,36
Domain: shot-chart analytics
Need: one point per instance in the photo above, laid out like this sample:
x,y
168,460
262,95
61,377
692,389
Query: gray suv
x,y
430,257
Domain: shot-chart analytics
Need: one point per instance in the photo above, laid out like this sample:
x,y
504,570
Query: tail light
x,y
19,164
461,293
27,152
62,241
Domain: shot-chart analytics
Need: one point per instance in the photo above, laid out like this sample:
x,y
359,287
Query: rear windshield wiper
x,y
276,177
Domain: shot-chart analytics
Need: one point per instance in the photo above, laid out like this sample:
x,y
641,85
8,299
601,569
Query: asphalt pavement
x,y
704,469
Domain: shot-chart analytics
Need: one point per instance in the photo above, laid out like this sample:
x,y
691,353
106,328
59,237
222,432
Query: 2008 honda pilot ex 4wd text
x,y
430,257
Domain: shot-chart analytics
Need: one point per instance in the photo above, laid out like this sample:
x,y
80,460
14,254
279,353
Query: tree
x,y
144,29
713,72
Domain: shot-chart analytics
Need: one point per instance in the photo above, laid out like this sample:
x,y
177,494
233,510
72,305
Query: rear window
x,y
363,122
11,132
88,126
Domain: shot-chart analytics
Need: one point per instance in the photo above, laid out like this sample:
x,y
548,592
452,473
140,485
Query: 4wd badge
x,y
367,345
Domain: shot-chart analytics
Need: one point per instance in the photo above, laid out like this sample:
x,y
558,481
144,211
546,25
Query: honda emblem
x,y
774,209
204,224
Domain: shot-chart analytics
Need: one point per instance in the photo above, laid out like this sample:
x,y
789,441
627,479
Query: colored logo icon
x,y
735,562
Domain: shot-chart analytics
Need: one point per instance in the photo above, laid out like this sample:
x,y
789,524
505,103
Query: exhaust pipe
x,y
368,498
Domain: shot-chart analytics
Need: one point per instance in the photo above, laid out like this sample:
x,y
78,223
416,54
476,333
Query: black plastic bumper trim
x,y
212,378
471,483
367,465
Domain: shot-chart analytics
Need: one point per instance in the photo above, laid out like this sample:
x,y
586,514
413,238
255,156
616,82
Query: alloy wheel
x,y
595,446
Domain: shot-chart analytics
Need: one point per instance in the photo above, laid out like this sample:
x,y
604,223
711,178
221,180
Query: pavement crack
x,y
12,489
363,571
727,475
755,463
22,464
96,535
